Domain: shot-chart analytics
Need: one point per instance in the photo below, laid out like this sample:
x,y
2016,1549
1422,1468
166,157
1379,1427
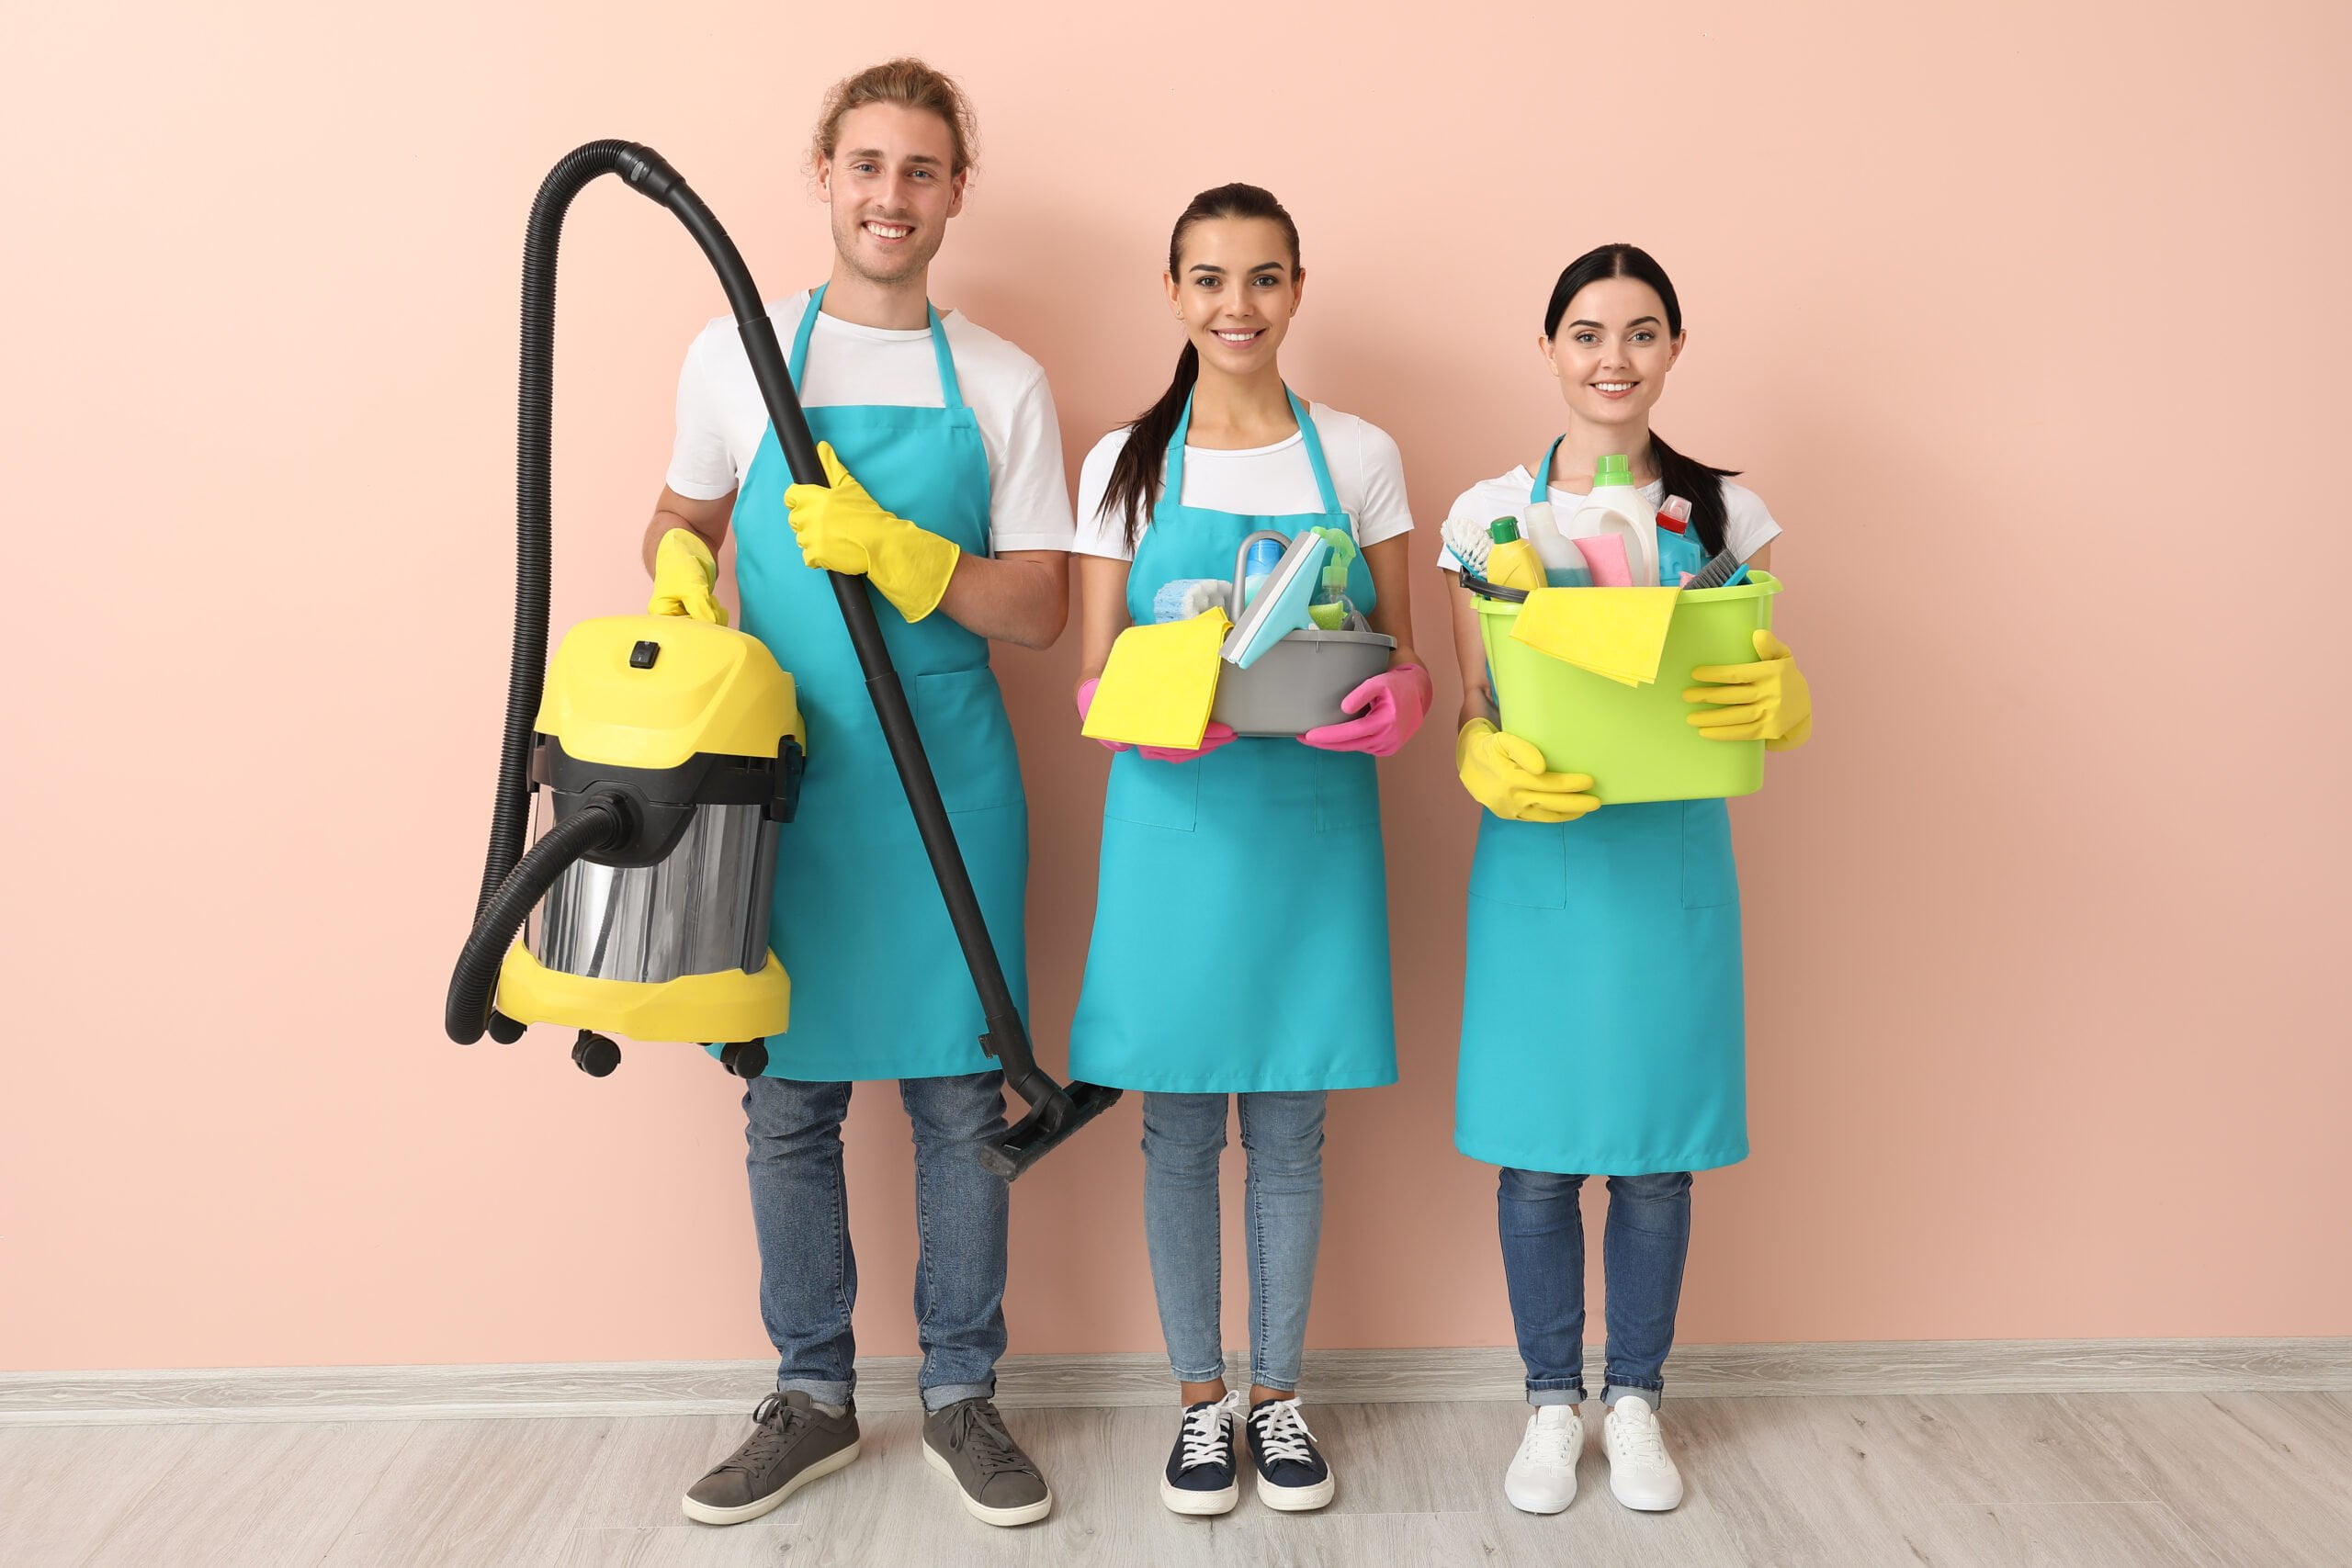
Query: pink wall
x,y
2045,929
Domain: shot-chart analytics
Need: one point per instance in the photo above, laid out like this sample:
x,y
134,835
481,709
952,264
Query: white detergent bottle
x,y
1615,506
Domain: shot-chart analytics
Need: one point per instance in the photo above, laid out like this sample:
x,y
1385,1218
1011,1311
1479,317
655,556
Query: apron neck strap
x,y
951,391
1173,488
1315,453
1541,490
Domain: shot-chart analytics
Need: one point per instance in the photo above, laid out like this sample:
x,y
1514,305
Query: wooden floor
x,y
2139,1481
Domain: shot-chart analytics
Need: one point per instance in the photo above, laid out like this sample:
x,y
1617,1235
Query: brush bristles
x,y
1469,543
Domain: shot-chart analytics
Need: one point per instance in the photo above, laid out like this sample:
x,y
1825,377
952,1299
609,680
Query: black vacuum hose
x,y
527,670
474,982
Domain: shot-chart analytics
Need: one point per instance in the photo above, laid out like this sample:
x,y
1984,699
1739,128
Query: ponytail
x,y
1135,477
1135,483
1698,483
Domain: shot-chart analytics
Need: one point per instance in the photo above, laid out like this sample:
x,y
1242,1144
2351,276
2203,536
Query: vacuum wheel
x,y
744,1059
594,1055
504,1030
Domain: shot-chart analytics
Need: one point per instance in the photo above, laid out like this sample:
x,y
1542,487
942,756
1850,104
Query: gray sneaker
x,y
967,1443
792,1443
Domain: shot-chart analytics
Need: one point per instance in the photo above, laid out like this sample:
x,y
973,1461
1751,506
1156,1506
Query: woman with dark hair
x,y
1240,942
1632,1064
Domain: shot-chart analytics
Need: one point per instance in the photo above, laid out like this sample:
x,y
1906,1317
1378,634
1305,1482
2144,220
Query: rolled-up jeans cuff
x,y
819,1391
1552,1392
1653,1392
1274,1377
939,1396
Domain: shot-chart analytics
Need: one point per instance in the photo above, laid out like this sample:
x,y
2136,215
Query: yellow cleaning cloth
x,y
1615,632
1160,684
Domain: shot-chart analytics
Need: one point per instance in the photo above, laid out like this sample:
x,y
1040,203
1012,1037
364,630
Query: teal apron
x,y
1603,1030
1242,924
879,989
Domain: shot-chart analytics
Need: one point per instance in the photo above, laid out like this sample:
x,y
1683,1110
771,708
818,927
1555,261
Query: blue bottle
x,y
1256,566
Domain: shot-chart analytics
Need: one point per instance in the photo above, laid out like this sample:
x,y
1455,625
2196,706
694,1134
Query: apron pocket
x,y
1156,795
1710,879
1346,791
1525,864
968,738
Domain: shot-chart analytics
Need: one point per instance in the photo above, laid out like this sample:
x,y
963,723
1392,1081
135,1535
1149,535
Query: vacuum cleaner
x,y
666,756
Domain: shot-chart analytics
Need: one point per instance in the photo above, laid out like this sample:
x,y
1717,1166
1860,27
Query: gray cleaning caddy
x,y
1297,684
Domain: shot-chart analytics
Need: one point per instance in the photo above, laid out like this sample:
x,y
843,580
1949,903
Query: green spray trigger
x,y
1335,567
1330,612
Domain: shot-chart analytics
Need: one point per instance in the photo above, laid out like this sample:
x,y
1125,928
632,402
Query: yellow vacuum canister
x,y
665,754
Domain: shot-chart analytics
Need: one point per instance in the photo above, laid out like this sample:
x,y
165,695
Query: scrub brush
x,y
1469,542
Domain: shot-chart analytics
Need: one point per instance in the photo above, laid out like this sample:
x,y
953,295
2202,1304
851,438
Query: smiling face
x,y
892,186
1612,351
1236,289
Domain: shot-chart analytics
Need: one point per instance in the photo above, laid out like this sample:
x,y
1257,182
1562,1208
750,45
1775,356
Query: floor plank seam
x,y
1120,1380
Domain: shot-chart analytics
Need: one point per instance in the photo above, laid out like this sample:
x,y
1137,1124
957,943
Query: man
x,y
951,430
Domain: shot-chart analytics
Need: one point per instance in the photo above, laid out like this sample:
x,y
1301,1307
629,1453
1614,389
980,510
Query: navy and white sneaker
x,y
1200,1468
1292,1475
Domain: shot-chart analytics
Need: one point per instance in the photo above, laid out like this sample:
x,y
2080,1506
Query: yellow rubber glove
x,y
1505,773
684,575
1768,701
842,529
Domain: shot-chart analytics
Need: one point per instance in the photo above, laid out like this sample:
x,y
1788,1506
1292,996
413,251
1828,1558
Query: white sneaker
x,y
1640,1473
1542,1475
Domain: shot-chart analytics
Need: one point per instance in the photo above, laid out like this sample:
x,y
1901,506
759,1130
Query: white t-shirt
x,y
1748,526
721,418
1367,473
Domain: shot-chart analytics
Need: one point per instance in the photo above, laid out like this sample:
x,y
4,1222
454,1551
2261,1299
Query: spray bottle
x,y
1330,605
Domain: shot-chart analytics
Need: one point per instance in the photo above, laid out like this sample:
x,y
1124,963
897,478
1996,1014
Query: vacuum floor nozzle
x,y
1051,1120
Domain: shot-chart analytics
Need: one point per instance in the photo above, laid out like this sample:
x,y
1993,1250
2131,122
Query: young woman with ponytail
x,y
1629,1060
1240,942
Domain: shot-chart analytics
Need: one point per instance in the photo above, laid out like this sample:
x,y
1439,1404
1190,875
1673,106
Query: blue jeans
x,y
1183,1135
1643,1247
807,1272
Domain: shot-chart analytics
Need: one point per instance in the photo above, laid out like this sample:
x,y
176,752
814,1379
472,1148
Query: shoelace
x,y
1205,1432
1550,1443
1638,1438
1279,1432
981,1432
777,1426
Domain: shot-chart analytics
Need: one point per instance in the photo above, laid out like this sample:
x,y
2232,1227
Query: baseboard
x,y
1332,1377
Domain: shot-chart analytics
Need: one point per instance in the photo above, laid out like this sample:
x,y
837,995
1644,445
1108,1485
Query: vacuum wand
x,y
1054,1112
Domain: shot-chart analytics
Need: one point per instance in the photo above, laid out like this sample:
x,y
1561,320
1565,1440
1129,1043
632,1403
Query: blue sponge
x,y
1183,598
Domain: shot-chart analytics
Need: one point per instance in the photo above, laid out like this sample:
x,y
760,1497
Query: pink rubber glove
x,y
1394,703
1085,700
1216,735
